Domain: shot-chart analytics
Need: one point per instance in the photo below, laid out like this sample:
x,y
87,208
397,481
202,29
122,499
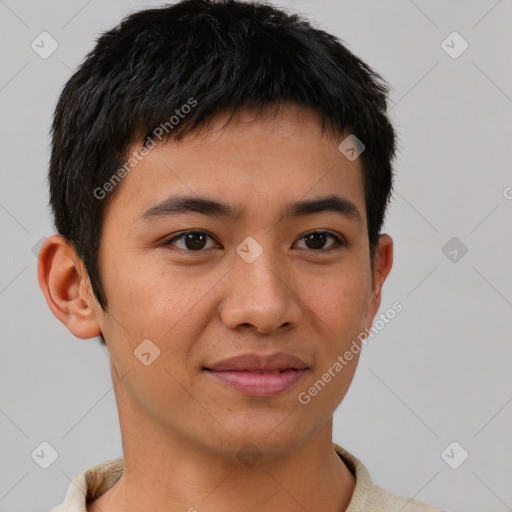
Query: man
x,y
219,178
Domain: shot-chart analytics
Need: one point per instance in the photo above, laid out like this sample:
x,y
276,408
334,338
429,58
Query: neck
x,y
164,471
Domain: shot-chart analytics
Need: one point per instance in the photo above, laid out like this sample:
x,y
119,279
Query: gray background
x,y
439,372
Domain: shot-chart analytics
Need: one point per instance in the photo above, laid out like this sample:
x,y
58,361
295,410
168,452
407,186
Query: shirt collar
x,y
93,482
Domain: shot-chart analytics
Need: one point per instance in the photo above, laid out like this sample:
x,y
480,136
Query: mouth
x,y
260,371
259,375
259,384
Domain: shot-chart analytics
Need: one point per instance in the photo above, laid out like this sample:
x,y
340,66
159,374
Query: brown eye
x,y
194,241
316,241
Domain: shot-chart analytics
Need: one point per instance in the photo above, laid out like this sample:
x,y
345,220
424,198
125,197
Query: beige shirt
x,y
367,496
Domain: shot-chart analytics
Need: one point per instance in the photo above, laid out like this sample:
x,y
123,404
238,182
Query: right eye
x,y
192,241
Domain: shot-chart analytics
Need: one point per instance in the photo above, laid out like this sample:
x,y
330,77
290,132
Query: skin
x,y
201,307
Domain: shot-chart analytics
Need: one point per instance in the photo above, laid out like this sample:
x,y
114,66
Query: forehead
x,y
245,159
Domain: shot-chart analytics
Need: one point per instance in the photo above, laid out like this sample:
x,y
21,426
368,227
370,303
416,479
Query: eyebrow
x,y
176,205
333,203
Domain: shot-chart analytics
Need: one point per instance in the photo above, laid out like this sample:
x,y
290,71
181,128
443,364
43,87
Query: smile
x,y
259,383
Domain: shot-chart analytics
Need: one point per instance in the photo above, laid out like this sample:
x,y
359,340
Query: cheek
x,y
165,308
339,302
153,296
337,309
169,308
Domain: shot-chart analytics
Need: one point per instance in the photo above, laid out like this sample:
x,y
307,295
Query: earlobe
x,y
62,285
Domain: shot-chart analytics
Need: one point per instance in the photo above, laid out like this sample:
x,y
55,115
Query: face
x,y
244,239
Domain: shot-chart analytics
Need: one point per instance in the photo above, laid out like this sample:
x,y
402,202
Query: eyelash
x,y
339,243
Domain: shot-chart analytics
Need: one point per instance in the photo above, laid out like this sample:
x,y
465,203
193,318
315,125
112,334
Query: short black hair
x,y
210,56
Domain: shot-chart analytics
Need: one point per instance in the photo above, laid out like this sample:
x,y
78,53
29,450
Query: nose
x,y
260,298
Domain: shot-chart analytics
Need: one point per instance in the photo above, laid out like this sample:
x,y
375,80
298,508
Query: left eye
x,y
316,240
193,241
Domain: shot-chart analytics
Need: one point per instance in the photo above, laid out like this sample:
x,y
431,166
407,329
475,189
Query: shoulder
x,y
382,500
90,484
369,497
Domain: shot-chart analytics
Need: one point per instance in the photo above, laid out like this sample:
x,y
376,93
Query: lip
x,y
259,375
253,362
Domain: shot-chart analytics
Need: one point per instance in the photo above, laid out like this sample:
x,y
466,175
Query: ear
x,y
382,264
66,287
